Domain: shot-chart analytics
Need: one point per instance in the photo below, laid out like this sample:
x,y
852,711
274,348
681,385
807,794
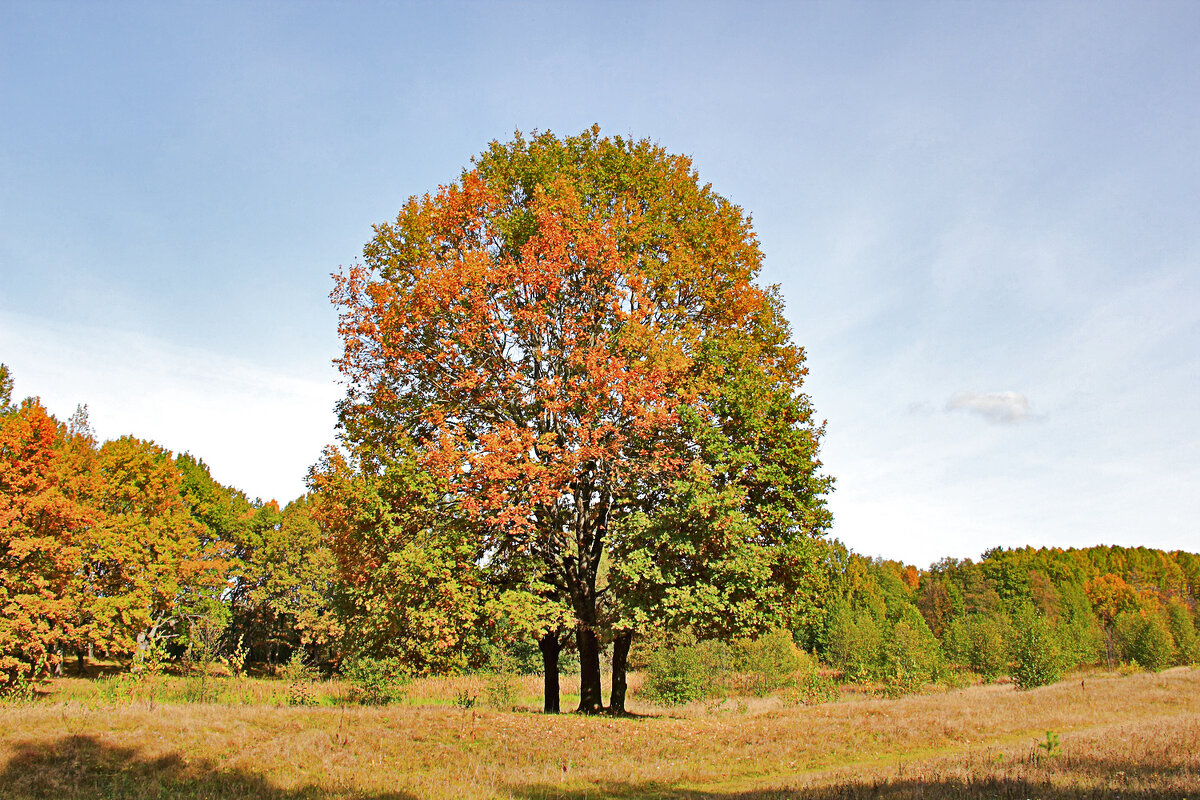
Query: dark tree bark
x,y
620,666
590,701
550,647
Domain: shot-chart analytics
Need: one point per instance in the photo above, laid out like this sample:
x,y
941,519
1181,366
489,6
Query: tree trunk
x,y
620,664
550,647
590,701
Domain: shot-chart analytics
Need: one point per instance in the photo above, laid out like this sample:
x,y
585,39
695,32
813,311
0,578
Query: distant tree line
x,y
1028,613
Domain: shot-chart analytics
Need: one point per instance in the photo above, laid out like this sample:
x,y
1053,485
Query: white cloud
x,y
257,427
1000,407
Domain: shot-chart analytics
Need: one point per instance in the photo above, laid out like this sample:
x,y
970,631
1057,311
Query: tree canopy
x,y
570,340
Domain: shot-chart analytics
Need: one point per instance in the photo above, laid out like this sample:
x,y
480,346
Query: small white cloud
x,y
1001,407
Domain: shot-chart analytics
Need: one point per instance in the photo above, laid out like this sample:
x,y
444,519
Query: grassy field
x,y
1129,737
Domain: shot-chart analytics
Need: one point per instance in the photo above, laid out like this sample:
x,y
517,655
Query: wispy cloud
x,y
999,407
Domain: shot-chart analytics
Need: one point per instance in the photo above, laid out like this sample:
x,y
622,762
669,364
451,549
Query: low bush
x,y
1144,639
1037,653
299,675
678,675
979,642
374,681
501,690
691,670
811,687
853,642
1183,631
763,665
912,656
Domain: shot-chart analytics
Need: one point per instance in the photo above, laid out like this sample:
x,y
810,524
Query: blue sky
x,y
984,217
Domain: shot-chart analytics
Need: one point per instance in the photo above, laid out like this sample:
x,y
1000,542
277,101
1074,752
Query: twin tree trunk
x,y
589,671
576,574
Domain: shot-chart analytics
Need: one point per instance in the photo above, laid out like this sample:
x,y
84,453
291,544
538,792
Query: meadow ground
x,y
1133,737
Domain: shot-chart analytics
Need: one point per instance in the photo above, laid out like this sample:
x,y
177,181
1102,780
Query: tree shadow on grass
x,y
1057,779
83,767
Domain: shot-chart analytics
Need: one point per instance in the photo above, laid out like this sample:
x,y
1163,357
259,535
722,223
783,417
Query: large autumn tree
x,y
570,342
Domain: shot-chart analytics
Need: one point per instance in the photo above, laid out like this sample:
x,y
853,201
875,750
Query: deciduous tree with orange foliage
x,y
143,558
41,523
551,338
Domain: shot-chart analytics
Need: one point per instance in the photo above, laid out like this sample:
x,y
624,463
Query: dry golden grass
x,y
1129,737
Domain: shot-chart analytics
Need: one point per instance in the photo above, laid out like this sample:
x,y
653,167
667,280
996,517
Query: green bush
x,y
1145,640
979,642
763,665
691,670
1079,630
1183,631
811,687
22,687
299,675
375,681
678,675
502,690
1037,653
853,642
912,656
990,643
956,640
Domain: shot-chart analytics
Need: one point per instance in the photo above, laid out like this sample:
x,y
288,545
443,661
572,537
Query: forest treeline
x,y
124,550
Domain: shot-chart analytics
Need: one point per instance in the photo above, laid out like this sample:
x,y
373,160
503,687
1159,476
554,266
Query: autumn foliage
x,y
120,548
42,524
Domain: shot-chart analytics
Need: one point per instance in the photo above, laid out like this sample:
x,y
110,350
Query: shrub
x,y
678,675
1036,652
956,640
23,686
375,681
990,644
299,675
912,655
501,690
1144,639
981,643
853,642
1079,630
692,670
765,664
1183,631
465,699
117,689
811,687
